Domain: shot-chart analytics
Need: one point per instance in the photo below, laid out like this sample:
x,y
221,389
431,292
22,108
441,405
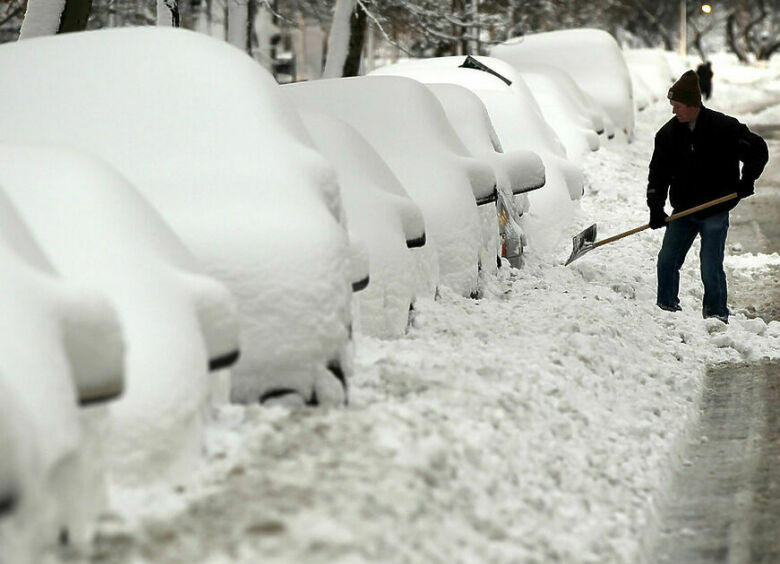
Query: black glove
x,y
657,217
745,188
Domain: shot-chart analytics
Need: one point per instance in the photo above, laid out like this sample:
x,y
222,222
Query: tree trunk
x,y
168,13
698,36
747,34
474,31
237,23
48,17
731,37
339,38
462,47
251,33
511,19
357,35
370,47
767,51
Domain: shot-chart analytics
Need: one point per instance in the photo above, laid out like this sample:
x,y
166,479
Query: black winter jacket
x,y
697,166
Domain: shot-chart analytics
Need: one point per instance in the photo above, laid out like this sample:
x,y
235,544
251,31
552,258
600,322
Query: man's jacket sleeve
x,y
753,153
659,177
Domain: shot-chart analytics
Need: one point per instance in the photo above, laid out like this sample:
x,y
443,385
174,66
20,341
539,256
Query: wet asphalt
x,y
723,504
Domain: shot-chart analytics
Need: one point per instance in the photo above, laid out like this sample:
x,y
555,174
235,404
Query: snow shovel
x,y
586,240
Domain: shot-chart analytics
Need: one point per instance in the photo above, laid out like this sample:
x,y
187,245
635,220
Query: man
x,y
704,71
696,160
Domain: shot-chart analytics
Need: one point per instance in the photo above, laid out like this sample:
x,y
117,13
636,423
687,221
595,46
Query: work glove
x,y
745,188
657,217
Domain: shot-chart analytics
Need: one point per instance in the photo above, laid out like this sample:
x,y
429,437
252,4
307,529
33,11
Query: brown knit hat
x,y
686,90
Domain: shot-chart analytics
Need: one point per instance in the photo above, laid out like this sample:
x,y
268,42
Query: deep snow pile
x,y
534,425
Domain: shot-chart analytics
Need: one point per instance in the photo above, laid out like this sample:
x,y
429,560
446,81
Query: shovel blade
x,y
582,243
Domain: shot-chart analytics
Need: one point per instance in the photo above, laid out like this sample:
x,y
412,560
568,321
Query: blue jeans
x,y
678,239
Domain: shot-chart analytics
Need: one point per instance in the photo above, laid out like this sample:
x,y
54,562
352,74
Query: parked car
x,y
653,68
413,136
587,111
517,172
593,59
380,215
560,109
224,158
513,110
520,126
55,338
489,87
643,94
100,233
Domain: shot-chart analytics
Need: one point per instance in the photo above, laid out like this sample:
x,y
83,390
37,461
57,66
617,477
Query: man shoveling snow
x,y
696,159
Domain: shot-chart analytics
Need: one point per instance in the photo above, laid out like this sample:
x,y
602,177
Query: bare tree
x,y
762,31
11,16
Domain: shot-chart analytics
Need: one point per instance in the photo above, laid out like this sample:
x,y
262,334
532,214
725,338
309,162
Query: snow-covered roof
x,y
529,129
581,102
592,57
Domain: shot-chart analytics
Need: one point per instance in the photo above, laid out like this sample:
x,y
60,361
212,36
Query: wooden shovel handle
x,y
668,219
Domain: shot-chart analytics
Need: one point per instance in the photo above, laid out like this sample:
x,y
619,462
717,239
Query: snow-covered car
x,y
55,336
97,231
407,126
557,95
677,63
385,219
225,159
643,94
518,121
517,172
586,112
593,59
652,66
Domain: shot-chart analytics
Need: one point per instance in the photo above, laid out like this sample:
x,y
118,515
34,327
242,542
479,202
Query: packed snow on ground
x,y
534,425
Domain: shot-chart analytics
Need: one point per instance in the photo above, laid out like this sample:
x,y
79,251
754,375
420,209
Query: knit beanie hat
x,y
686,90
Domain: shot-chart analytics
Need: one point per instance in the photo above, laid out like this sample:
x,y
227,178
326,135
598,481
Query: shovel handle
x,y
668,219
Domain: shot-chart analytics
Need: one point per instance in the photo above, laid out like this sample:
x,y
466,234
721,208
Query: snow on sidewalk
x,y
535,425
